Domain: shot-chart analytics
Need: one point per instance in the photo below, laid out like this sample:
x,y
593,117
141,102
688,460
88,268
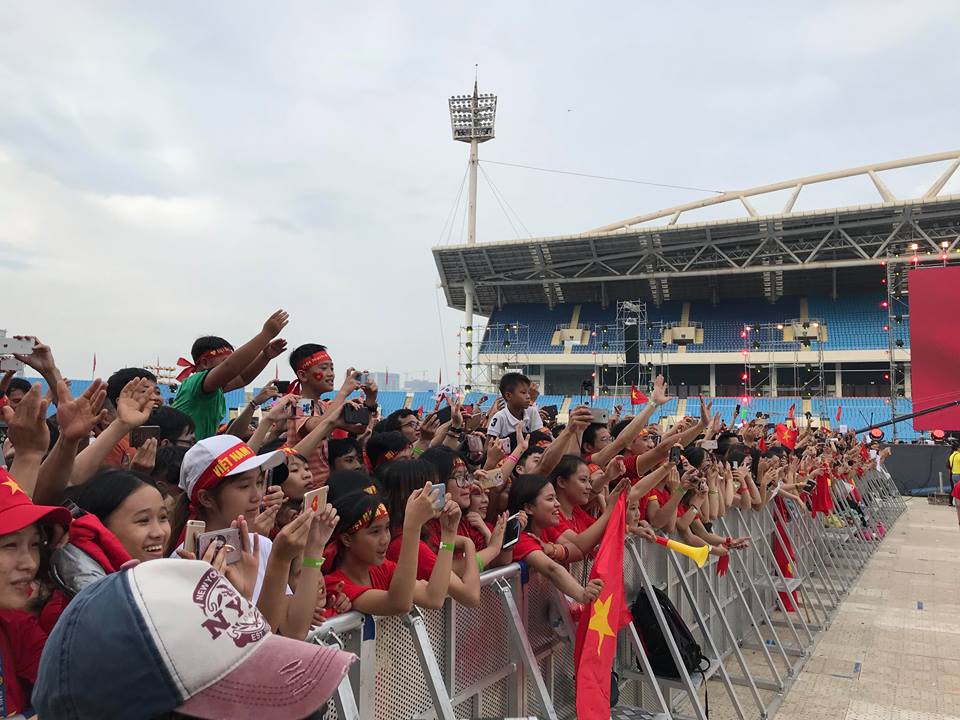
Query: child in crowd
x,y
515,389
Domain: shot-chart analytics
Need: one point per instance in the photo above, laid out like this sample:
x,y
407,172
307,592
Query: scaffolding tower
x,y
507,348
794,345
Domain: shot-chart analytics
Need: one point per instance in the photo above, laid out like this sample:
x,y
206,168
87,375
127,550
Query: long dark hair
x,y
400,479
566,468
443,459
181,513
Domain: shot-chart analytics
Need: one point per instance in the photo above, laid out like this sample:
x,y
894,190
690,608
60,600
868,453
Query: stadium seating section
x,y
853,323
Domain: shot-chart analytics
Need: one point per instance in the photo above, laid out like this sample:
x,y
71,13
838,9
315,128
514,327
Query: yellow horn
x,y
698,554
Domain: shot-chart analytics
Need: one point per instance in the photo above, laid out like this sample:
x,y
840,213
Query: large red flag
x,y
822,501
839,412
637,397
596,644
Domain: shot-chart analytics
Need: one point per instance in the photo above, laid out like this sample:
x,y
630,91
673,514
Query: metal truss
x,y
755,255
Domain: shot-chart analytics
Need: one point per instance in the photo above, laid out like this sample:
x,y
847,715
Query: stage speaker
x,y
631,349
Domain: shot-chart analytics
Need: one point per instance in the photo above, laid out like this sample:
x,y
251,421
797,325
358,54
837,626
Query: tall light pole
x,y
472,121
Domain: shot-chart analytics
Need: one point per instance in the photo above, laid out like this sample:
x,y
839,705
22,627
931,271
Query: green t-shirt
x,y
206,409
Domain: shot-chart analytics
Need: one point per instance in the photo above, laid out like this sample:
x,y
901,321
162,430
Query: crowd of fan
x,y
93,519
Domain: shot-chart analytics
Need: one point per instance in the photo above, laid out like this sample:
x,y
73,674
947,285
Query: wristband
x,y
309,562
417,452
714,492
455,430
446,546
481,566
514,458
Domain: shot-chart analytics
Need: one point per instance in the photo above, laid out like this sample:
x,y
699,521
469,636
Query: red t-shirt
x,y
21,644
380,577
956,491
465,529
426,558
580,521
525,545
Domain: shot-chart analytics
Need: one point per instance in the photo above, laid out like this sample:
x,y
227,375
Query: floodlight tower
x,y
472,120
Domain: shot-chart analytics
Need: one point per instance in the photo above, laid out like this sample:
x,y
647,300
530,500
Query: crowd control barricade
x,y
512,657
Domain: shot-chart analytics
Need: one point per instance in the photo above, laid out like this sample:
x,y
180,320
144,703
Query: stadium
x,y
761,311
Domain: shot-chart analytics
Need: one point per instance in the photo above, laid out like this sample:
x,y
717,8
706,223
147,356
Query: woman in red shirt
x,y
401,479
26,531
378,586
534,496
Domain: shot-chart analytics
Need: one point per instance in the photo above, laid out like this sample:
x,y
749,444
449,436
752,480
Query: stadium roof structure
x,y
753,255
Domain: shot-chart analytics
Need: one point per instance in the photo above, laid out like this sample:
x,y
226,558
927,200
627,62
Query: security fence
x,y
512,657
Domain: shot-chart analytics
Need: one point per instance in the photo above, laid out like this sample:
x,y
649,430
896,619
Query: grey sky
x,y
175,169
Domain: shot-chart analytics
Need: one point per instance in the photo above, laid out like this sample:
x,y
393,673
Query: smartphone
x,y
473,422
363,378
442,500
709,444
10,363
9,345
675,454
551,411
227,536
316,500
734,465
494,479
474,444
282,386
355,416
139,435
599,415
444,414
194,529
511,535
809,486
305,407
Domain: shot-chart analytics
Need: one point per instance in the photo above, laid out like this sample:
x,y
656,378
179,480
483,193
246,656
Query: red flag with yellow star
x,y
596,644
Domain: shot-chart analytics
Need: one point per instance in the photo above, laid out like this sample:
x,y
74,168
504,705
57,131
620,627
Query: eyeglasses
x,y
414,424
463,480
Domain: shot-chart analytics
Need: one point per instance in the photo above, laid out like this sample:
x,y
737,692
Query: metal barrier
x,y
513,656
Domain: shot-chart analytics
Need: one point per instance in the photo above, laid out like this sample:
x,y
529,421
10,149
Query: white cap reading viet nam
x,y
175,635
214,458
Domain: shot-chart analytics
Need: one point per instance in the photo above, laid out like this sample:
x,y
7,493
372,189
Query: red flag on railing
x,y
821,501
637,397
596,644
839,412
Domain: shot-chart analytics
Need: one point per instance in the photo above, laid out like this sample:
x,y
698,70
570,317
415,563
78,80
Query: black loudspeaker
x,y
683,392
631,349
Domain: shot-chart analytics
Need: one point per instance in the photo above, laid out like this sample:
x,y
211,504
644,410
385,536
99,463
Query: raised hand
x,y
272,501
135,403
145,458
579,418
450,516
76,418
243,574
275,348
27,426
267,392
276,323
420,505
324,523
456,412
41,359
350,383
659,394
282,408
291,541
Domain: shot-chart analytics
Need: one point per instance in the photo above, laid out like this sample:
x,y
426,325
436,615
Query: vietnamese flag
x,y
637,397
839,412
790,411
786,436
596,644
822,500
762,445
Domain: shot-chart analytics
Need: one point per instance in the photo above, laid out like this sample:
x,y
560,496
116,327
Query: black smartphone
x,y
444,414
551,411
511,534
675,454
139,435
809,486
355,416
282,386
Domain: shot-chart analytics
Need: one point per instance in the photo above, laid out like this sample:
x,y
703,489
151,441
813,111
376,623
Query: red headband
x,y
315,359
225,462
369,517
189,368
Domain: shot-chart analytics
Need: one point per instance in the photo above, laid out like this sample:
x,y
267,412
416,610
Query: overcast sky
x,y
175,169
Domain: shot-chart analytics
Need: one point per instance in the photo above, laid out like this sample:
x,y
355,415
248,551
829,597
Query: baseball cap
x,y
175,635
220,456
17,511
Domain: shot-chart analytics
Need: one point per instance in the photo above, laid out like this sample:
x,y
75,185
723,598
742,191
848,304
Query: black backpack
x,y
655,644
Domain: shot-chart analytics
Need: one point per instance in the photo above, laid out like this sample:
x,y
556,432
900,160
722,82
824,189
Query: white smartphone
x,y
442,500
511,535
10,345
195,528
315,500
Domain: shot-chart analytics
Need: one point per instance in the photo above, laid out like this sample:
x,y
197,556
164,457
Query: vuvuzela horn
x,y
698,554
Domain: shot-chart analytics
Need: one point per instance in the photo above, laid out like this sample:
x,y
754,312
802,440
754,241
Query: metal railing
x,y
513,656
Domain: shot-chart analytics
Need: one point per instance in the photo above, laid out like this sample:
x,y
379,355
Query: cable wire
x,y
498,192
604,177
453,209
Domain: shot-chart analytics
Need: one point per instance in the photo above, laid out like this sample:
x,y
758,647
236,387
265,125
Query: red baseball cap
x,y
17,510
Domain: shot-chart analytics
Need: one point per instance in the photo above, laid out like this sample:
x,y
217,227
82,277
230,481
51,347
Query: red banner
x,y
934,345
